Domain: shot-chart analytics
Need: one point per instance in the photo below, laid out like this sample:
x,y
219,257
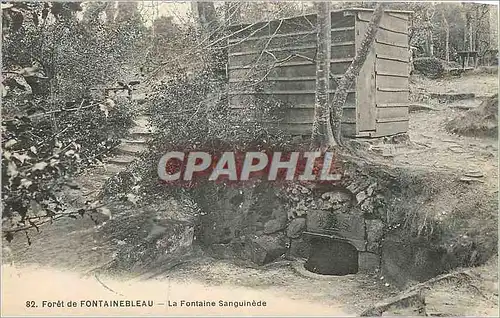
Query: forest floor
x,y
63,258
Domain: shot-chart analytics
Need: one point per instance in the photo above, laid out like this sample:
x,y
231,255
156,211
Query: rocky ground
x,y
72,246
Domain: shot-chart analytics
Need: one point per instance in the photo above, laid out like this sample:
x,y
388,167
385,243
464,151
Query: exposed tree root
x,y
460,276
404,300
415,295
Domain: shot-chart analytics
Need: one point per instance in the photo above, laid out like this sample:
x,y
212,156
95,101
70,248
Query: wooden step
x,y
121,160
451,97
142,120
141,130
131,149
138,135
133,141
112,169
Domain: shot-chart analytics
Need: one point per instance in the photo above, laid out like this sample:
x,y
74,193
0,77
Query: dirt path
x,y
65,255
431,147
69,286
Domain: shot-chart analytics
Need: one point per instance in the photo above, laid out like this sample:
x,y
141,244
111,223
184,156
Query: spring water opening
x,y
331,256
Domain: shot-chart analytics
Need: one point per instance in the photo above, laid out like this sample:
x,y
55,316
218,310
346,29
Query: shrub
x,y
479,122
429,66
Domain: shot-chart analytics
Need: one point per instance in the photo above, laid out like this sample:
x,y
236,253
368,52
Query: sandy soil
x,y
66,254
431,146
480,84
52,285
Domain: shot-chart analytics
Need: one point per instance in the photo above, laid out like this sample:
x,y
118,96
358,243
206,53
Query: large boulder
x,y
296,227
264,249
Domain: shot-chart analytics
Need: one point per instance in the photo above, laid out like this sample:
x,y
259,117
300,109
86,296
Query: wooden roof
x,y
314,14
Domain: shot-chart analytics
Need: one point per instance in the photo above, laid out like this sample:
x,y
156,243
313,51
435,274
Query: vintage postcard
x,y
249,158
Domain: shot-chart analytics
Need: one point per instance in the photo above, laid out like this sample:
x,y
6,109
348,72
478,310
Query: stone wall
x,y
267,221
399,220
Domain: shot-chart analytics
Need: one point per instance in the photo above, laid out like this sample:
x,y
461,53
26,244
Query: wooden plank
x,y
340,67
394,82
391,67
306,115
263,60
393,105
387,129
392,75
392,38
343,29
344,43
392,58
272,43
339,20
342,60
392,90
392,51
387,23
391,120
392,97
343,51
278,71
277,79
272,36
252,46
305,106
235,104
297,129
286,64
298,115
349,115
282,26
401,16
299,48
365,84
365,134
392,113
292,100
343,34
371,10
404,46
271,86
280,85
275,92
348,130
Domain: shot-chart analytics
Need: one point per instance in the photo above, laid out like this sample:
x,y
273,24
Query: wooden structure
x,y
468,59
276,59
